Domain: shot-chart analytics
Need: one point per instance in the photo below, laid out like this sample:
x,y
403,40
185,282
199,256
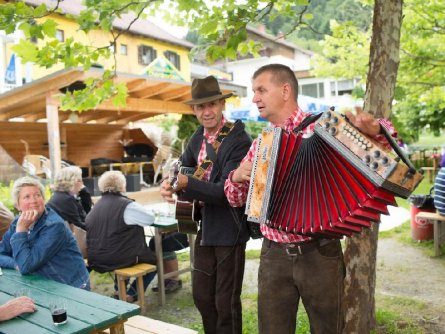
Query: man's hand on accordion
x,y
364,122
243,172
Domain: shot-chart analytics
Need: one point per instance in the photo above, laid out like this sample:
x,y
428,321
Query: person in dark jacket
x,y
215,149
65,201
115,232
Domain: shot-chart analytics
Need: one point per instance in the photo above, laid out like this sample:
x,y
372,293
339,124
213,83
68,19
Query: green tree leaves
x,y
420,86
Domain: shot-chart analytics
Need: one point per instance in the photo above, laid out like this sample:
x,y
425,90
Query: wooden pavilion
x,y
80,137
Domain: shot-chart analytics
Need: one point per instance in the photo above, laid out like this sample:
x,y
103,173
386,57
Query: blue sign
x,y
10,71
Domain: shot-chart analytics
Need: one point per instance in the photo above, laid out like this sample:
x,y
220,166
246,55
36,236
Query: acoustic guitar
x,y
188,214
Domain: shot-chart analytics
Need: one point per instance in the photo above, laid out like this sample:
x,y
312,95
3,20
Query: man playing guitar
x,y
215,149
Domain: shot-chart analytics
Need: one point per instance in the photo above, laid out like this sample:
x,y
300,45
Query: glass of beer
x,y
58,311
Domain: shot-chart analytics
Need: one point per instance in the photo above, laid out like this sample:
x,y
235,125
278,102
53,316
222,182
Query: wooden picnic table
x,y
88,312
164,224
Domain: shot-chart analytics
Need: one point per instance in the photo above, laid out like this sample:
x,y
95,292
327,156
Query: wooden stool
x,y
438,222
136,271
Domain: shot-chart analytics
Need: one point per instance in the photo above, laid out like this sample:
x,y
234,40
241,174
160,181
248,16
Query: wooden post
x,y
64,148
52,116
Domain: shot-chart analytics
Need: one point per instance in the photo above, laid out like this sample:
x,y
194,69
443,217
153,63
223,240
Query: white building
x,y
324,92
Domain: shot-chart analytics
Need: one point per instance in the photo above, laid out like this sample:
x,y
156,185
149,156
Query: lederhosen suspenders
x,y
212,151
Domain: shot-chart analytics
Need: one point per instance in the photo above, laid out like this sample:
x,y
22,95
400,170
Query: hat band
x,y
207,94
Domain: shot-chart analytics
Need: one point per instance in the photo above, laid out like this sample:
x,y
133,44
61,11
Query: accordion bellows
x,y
331,184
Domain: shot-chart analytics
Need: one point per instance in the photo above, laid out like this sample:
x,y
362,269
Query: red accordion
x,y
330,184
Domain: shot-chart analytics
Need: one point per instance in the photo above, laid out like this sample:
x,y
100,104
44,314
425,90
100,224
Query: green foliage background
x,y
187,125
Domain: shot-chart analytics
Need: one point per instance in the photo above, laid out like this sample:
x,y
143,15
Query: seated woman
x,y
115,233
67,185
39,242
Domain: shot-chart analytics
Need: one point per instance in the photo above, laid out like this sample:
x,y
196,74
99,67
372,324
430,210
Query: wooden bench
x,y
431,172
139,324
438,222
137,271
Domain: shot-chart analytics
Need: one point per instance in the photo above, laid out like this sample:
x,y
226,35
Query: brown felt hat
x,y
206,90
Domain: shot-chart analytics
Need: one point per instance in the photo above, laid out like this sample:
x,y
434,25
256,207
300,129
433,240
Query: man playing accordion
x,y
294,266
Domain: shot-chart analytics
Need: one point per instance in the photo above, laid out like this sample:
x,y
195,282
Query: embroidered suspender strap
x,y
207,162
200,171
228,126
211,154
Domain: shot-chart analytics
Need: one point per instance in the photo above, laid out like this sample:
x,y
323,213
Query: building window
x,y
342,87
321,89
313,90
174,58
124,49
60,35
146,54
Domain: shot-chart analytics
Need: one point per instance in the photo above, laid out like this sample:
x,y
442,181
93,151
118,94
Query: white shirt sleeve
x,y
136,214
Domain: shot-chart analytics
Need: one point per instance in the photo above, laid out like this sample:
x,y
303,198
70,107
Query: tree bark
x,y
384,57
361,250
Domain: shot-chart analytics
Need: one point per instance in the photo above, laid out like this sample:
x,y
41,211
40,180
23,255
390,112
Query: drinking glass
x,y
22,292
58,311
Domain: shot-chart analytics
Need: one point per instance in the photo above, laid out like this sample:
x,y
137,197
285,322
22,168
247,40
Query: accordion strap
x,y
397,149
306,122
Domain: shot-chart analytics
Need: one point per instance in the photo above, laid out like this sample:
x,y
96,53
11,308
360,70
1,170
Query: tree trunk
x,y
361,250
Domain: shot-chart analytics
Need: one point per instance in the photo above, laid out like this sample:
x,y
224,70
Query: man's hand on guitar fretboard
x,y
181,182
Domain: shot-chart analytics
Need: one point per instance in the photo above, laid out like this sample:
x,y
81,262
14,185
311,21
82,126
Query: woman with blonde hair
x,y
67,186
39,242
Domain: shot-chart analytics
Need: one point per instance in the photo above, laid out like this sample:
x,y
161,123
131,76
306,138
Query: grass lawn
x,y
180,310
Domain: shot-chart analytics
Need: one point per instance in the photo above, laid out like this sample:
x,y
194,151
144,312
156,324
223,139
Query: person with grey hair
x,y
67,186
115,233
38,241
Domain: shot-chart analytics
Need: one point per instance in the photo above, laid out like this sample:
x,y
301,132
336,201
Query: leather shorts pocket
x,y
331,249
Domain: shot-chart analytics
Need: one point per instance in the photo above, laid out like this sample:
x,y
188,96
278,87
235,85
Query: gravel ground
x,y
403,272
406,272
